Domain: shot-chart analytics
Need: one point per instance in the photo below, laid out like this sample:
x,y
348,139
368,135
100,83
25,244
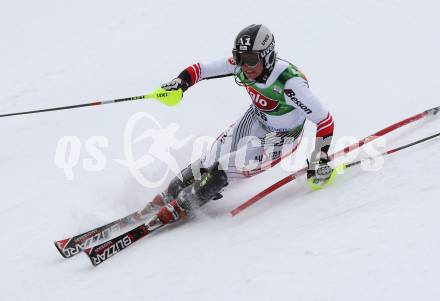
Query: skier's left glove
x,y
176,84
319,173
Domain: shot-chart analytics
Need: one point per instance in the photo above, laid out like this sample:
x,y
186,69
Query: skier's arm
x,y
298,94
200,71
297,90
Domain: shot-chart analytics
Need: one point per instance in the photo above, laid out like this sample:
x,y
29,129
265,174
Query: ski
x,y
71,246
104,251
98,251
295,175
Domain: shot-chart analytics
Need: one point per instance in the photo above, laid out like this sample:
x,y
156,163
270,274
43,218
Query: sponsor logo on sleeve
x,y
292,96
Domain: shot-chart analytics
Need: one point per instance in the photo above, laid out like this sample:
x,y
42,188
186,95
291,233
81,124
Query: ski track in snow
x,y
369,236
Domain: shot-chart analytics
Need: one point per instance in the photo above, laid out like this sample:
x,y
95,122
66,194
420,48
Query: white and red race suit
x,y
272,127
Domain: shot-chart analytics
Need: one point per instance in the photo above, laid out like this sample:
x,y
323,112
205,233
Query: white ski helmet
x,y
253,44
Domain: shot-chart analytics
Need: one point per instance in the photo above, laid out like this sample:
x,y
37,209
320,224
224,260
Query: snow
x,y
370,236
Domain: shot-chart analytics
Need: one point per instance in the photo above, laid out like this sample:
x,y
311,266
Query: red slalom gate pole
x,y
346,150
392,151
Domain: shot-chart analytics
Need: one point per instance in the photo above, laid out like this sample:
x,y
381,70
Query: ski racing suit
x,y
269,130
272,126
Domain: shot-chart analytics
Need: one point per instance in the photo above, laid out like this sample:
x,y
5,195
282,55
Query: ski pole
x,y
169,98
389,152
339,168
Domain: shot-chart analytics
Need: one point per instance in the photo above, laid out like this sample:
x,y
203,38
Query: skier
x,y
268,131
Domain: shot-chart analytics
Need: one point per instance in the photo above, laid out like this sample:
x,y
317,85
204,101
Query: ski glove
x,y
176,84
318,173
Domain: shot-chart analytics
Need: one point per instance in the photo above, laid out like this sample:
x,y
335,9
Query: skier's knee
x,y
186,177
203,190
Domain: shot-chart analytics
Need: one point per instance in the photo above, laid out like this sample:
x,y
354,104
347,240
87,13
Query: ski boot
x,y
203,190
170,213
191,197
173,189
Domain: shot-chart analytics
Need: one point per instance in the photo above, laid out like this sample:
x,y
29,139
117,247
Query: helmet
x,y
253,44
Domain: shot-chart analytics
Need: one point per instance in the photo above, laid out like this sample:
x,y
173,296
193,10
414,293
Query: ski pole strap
x,y
169,98
337,170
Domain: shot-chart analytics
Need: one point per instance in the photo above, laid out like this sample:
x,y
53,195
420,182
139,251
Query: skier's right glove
x,y
318,173
176,84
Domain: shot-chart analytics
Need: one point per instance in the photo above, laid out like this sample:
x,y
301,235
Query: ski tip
x,y
60,247
62,243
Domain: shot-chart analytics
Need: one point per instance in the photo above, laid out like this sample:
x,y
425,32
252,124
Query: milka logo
x,y
262,102
291,95
112,249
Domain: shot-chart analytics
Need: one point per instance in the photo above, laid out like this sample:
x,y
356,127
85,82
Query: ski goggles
x,y
251,59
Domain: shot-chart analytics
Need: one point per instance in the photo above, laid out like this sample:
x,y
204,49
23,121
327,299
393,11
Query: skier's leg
x,y
209,186
275,147
187,174
191,197
203,190
185,178
231,139
219,166
254,159
248,148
